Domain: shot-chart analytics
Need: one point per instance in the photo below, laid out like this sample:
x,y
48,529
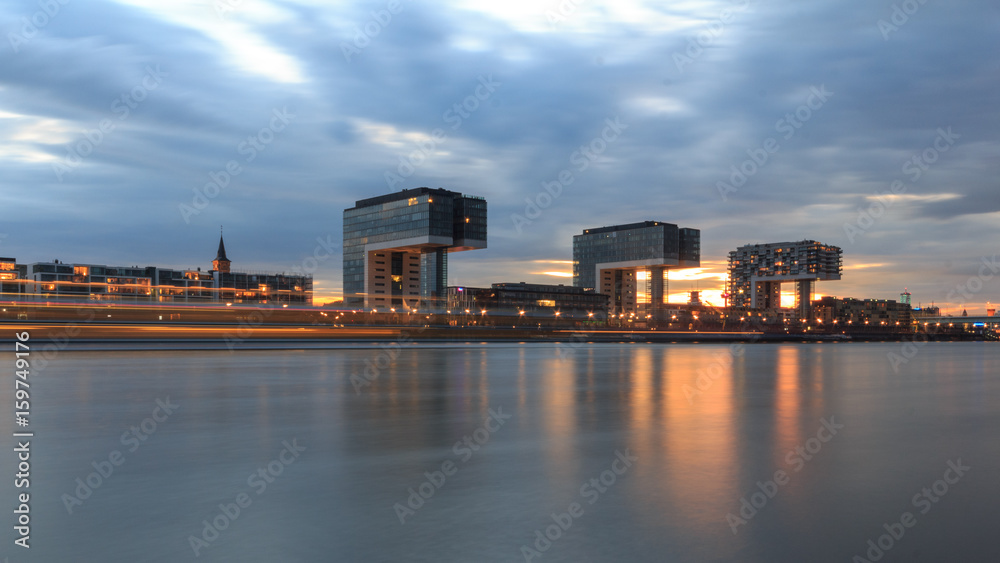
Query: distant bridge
x,y
991,322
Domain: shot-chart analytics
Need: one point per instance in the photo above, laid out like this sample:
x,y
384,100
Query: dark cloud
x,y
557,85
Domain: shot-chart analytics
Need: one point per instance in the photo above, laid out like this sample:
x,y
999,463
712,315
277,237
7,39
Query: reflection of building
x,y
532,299
628,263
757,271
860,315
94,282
396,246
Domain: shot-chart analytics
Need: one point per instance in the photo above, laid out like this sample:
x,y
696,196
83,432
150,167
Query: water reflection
x,y
705,422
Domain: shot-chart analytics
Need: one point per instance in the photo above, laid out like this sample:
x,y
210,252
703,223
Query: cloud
x,y
559,80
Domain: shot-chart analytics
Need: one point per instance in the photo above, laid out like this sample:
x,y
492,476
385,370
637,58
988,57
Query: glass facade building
x,y
396,246
613,260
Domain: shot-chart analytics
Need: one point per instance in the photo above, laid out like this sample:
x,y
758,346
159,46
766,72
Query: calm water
x,y
694,448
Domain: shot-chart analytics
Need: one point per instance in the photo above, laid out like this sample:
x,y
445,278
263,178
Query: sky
x,y
132,130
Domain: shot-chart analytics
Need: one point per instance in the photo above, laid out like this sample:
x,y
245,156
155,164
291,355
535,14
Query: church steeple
x,y
221,262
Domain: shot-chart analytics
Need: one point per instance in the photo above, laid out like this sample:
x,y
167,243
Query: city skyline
x,y
869,136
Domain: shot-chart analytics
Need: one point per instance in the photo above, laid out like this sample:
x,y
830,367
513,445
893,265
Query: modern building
x,y
628,263
12,278
756,272
930,311
531,300
396,246
57,280
863,315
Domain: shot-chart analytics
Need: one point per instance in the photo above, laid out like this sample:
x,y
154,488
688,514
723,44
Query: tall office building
x,y
396,246
756,272
615,260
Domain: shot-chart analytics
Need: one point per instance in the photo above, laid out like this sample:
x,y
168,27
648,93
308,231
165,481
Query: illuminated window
x,y
545,303
81,270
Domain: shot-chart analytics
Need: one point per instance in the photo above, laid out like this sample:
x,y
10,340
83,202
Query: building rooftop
x,y
775,244
640,225
540,287
407,194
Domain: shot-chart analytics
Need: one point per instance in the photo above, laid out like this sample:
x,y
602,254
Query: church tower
x,y
221,262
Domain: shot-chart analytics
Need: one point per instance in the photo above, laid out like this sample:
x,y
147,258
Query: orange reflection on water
x,y
559,421
700,439
641,410
787,404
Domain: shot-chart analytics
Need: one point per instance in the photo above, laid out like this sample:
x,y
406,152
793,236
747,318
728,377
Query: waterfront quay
x,y
236,324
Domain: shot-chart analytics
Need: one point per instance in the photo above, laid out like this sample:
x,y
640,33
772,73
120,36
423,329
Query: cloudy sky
x,y
131,130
